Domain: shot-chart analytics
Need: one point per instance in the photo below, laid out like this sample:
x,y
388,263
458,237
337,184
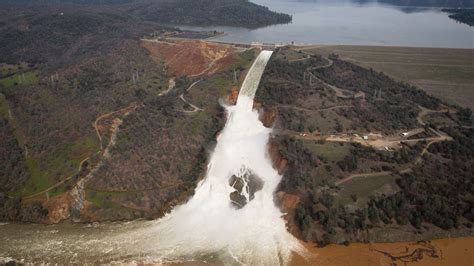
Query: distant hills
x,y
195,12
434,3
81,2
461,15
210,12
424,3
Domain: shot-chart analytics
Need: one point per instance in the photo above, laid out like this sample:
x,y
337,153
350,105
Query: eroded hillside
x,y
190,58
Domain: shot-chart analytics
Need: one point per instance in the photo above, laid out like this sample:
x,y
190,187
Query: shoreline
x,y
295,44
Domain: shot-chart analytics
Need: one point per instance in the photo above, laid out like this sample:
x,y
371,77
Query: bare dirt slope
x,y
189,57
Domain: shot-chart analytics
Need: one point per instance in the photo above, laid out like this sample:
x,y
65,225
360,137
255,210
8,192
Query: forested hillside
x,y
461,15
80,96
240,13
79,2
428,3
367,158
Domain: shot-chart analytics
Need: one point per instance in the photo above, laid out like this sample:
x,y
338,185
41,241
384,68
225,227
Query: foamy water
x,y
208,226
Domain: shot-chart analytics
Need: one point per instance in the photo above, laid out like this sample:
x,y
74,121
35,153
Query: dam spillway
x,y
231,218
251,81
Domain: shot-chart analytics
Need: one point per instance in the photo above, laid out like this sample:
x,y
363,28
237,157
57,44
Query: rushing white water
x,y
209,224
254,234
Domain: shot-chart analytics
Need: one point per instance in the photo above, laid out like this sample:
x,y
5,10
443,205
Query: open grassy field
x,y
445,73
364,186
330,151
27,78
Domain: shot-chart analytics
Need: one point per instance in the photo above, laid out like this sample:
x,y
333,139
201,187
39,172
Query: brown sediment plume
x,y
447,251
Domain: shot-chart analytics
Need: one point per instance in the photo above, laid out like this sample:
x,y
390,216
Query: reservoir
x,y
352,22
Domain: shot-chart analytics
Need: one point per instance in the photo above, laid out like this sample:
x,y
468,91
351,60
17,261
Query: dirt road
x,y
314,110
192,105
349,178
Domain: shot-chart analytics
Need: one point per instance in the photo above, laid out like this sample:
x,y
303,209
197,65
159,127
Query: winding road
x,y
195,108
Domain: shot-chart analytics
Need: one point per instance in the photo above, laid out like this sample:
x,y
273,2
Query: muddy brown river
x,y
63,243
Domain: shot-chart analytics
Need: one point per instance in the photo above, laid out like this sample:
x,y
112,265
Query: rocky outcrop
x,y
245,188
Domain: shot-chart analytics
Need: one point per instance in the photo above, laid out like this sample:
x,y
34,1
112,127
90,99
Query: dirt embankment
x,y
285,201
268,116
190,57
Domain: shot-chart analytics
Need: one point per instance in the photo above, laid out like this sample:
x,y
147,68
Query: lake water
x,y
347,22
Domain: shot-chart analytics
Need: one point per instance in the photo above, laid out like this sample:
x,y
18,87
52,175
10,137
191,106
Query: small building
x,y
365,137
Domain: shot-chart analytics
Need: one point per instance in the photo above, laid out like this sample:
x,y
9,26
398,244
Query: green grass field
x,y
325,121
54,167
363,187
29,78
331,151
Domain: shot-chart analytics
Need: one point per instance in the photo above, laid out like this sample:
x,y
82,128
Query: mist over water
x,y
210,226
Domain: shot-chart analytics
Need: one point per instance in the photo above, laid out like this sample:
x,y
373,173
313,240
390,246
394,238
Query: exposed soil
x,y
279,163
232,98
59,208
190,57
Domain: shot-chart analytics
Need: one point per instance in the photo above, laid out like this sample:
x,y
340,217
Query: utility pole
x,y
235,77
